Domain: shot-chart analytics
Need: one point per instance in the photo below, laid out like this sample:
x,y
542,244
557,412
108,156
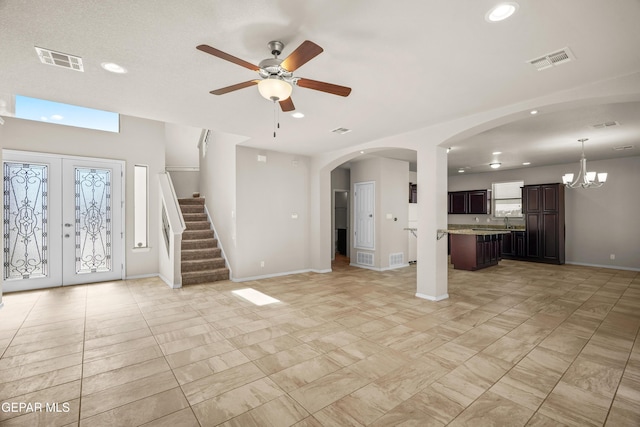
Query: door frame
x,y
10,286
333,222
355,215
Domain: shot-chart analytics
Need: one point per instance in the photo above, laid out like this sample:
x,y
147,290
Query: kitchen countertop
x,y
478,232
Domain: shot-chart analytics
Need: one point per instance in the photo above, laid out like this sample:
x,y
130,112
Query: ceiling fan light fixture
x,y
274,89
495,165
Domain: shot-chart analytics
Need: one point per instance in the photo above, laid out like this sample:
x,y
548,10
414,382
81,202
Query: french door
x,y
62,220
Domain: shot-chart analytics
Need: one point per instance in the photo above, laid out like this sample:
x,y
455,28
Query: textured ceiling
x,y
410,65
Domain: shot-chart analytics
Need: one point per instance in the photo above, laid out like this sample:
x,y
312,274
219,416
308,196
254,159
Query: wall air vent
x,y
341,131
396,260
605,125
364,258
59,59
552,59
623,148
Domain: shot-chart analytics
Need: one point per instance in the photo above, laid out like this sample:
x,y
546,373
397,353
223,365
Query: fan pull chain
x,y
275,120
276,117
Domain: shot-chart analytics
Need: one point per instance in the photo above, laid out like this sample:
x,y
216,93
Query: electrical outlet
x,y
261,263
612,256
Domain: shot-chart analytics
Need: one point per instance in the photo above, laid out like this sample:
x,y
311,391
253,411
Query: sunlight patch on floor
x,y
256,297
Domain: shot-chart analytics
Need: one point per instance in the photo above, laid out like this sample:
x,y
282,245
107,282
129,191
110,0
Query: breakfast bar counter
x,y
473,249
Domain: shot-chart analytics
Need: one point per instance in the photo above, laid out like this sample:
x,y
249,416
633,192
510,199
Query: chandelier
x,y
584,179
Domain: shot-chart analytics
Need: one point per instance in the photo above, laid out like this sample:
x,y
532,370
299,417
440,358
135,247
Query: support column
x,y
432,216
319,219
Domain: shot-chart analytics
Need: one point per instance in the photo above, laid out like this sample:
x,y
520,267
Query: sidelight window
x,y
140,206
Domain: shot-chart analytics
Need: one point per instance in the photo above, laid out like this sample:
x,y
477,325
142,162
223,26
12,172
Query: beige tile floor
x,y
517,344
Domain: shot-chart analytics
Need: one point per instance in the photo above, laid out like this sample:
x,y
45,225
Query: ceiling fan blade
x,y
231,88
303,54
222,55
287,105
324,87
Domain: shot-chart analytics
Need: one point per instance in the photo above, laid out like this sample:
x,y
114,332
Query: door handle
x,y
66,236
66,224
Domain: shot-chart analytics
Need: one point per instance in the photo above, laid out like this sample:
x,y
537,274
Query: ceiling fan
x,y
276,75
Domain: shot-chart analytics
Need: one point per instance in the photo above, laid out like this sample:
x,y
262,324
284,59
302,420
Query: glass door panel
x,y
90,228
62,221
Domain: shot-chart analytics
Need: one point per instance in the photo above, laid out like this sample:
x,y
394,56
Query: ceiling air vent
x,y
552,59
623,148
605,125
59,59
341,131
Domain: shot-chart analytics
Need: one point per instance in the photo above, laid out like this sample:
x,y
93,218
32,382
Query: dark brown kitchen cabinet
x,y
507,245
479,202
488,250
513,245
458,202
473,252
543,208
470,202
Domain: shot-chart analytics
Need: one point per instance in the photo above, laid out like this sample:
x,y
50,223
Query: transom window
x,y
58,113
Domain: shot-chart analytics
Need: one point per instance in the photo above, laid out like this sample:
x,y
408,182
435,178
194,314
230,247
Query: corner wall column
x,y
432,215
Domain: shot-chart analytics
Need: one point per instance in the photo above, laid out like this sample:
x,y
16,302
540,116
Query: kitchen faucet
x,y
506,223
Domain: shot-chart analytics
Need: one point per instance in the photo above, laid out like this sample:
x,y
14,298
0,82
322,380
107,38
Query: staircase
x,y
201,259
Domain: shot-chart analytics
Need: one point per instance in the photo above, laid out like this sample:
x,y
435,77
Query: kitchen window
x,y
507,199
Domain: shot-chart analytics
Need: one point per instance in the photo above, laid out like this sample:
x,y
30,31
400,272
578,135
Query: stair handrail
x,y
170,266
176,204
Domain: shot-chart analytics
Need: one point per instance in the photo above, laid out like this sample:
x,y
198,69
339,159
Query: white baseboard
x,y
158,275
143,276
613,267
368,267
326,270
284,273
430,298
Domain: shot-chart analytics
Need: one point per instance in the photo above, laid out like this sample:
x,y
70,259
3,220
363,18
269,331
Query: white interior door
x,y
62,221
364,207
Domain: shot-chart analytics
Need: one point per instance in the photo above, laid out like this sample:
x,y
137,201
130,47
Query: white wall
x,y
269,194
182,158
140,141
599,221
182,146
391,193
185,182
218,187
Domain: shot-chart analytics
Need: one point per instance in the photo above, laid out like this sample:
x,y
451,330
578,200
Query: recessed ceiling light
x,y
297,115
460,170
495,153
501,12
494,165
113,68
533,112
526,163
362,152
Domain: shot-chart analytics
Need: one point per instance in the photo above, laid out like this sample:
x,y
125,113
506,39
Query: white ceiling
x,y
410,65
